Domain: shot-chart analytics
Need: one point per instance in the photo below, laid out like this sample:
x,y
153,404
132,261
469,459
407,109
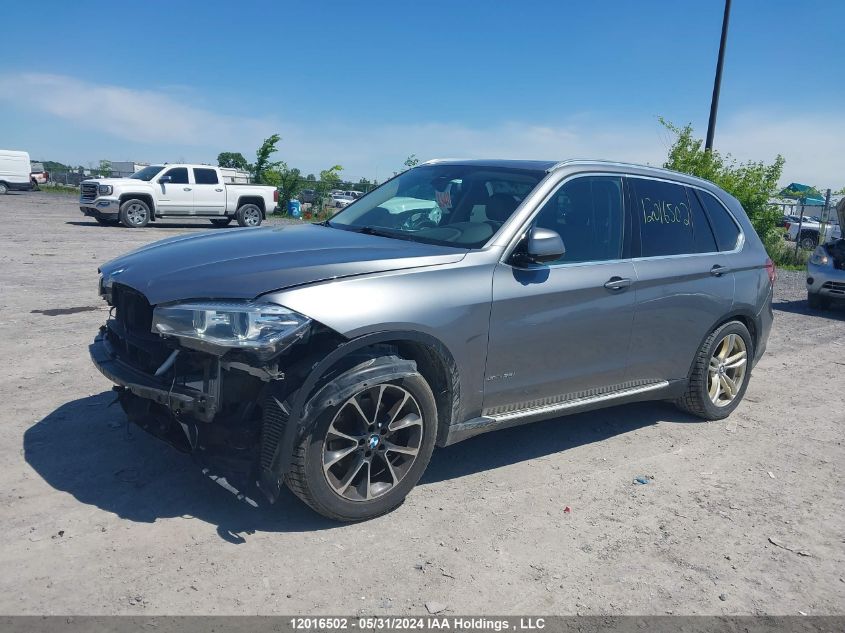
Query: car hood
x,y
246,263
117,181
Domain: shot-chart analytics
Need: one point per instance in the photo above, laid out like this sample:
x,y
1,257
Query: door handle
x,y
218,190
186,188
617,283
718,271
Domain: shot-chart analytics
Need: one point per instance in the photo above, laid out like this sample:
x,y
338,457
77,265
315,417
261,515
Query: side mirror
x,y
544,245
164,179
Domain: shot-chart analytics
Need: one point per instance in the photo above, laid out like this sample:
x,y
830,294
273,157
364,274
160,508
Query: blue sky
x,y
365,84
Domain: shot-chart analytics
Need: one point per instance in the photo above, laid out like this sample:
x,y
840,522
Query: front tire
x,y
720,374
363,456
134,214
248,215
817,302
809,241
3,188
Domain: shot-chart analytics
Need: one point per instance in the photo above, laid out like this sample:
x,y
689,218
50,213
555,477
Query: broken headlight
x,y
264,328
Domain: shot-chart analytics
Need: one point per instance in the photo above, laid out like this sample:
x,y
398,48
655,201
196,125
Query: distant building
x,y
122,169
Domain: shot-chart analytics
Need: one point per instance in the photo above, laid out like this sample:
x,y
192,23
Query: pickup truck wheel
x,y
3,188
720,374
363,455
134,214
248,215
221,221
809,241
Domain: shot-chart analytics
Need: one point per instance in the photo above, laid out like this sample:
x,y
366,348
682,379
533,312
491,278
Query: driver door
x,y
175,197
562,330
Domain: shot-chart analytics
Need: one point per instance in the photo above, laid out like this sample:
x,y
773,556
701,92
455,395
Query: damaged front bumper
x,y
187,413
180,399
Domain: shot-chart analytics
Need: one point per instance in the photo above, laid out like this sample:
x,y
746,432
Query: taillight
x,y
770,268
787,225
276,195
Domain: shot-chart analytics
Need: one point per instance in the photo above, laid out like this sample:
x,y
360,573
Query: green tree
x,y
288,180
364,185
234,160
262,158
104,168
840,192
753,183
329,179
411,161
311,178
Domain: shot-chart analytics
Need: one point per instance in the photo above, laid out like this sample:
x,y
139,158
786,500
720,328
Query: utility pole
x,y
717,83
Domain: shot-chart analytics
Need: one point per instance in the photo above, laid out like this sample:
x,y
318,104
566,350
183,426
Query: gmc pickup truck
x,y
175,191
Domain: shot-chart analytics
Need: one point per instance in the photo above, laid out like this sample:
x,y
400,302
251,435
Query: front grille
x,y
835,286
89,191
130,333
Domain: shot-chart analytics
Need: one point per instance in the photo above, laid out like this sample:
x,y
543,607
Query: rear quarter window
x,y
724,226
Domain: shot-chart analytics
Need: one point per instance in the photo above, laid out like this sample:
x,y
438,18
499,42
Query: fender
x,y
271,479
745,314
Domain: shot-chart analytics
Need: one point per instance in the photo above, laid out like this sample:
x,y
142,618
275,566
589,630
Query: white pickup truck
x,y
175,191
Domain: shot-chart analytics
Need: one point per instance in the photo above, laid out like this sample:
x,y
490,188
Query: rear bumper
x,y
764,321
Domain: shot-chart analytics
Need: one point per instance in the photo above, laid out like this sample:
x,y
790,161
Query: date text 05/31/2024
x,y
456,623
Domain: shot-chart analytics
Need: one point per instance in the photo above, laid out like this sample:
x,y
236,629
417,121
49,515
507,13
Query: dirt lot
x,y
101,519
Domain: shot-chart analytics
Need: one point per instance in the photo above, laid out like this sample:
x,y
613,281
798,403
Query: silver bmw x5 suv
x,y
458,298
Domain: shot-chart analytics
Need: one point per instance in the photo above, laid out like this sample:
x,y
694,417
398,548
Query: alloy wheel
x,y
372,442
136,214
252,216
726,370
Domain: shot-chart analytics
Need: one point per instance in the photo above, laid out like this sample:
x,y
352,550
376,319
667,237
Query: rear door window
x,y
724,226
205,176
587,212
670,223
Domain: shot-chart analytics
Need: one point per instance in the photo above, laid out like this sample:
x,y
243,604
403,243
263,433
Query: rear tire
x,y
134,214
817,302
221,222
699,397
387,483
249,215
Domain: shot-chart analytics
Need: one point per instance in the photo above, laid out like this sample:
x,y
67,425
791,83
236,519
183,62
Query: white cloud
x,y
155,120
143,116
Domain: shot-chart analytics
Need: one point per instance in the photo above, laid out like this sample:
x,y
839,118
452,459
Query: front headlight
x,y
105,190
819,257
265,328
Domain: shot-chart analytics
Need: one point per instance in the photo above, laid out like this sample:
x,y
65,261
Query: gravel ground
x,y
742,517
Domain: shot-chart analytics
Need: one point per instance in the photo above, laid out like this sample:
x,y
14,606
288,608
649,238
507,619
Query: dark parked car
x,y
334,357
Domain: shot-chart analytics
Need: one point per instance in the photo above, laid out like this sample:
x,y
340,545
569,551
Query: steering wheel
x,y
418,221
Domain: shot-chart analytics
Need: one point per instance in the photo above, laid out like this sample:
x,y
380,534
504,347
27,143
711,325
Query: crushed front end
x,y
196,374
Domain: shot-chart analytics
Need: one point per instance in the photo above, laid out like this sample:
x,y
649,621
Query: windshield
x,y
453,205
147,173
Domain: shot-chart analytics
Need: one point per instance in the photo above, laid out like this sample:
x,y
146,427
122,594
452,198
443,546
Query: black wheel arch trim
x,y
734,315
271,479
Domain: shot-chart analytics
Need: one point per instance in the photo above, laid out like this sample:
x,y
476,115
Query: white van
x,y
14,171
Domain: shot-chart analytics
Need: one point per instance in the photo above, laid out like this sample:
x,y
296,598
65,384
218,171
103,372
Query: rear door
x,y
561,330
209,192
684,284
177,196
